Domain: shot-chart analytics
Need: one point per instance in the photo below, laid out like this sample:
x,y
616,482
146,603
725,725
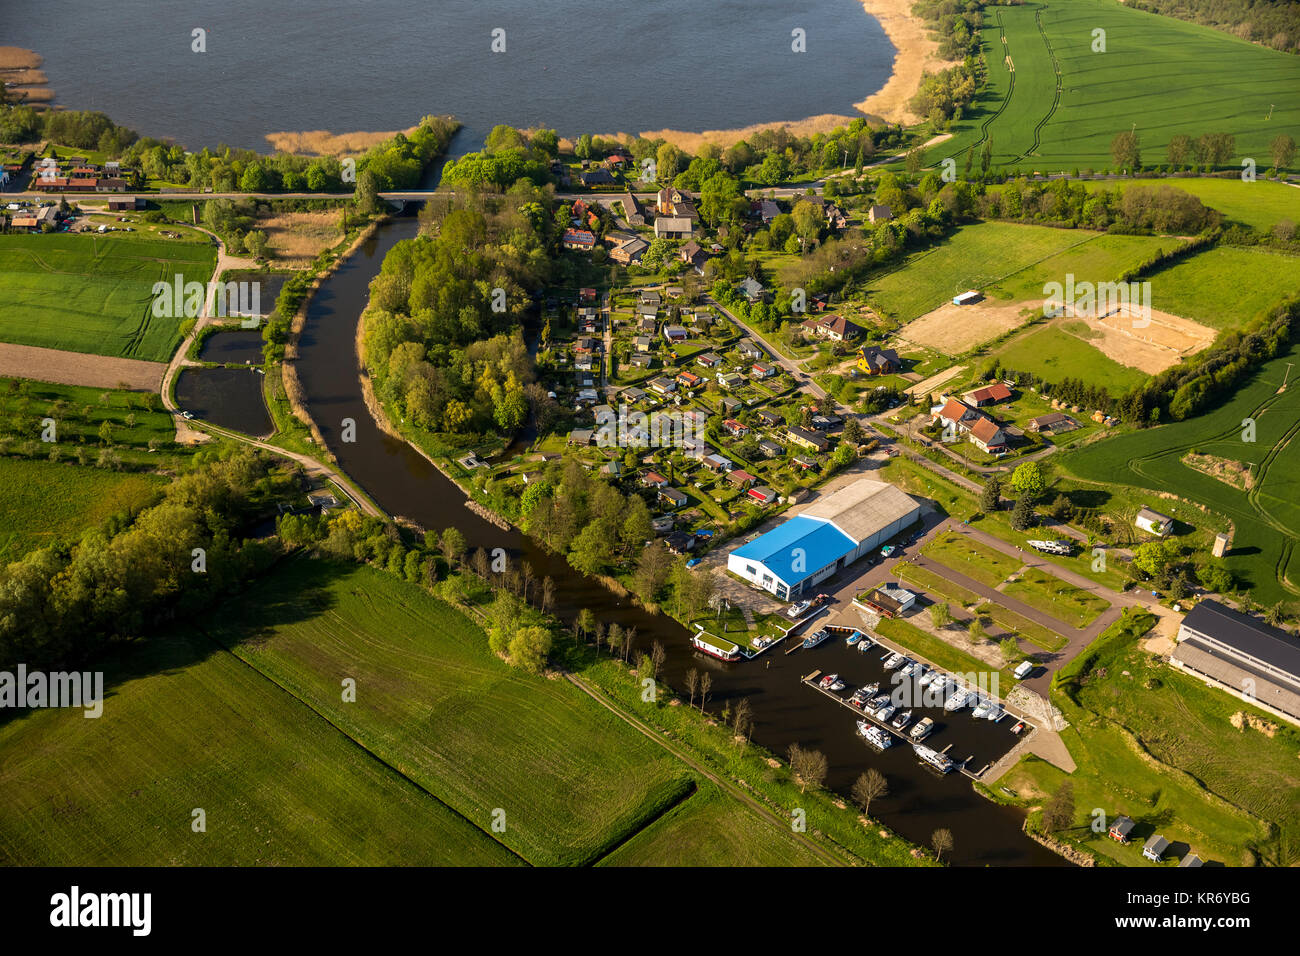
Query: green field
x,y
1047,593
1158,745
974,257
46,503
94,294
1053,354
1163,75
1266,519
1260,205
978,562
711,829
1102,258
193,727
1226,286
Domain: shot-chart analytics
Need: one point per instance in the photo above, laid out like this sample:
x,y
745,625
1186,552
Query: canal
x,y
786,711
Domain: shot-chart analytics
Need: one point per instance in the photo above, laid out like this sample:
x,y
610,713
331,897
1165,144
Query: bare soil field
x,y
932,383
953,329
294,239
1234,473
77,368
1149,346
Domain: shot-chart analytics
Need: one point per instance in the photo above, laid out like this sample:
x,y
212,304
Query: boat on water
x,y
894,660
995,712
871,689
981,708
941,762
853,638
716,647
858,697
928,678
816,637
901,720
837,683
878,737
957,701
884,713
909,667
876,703
923,728
865,643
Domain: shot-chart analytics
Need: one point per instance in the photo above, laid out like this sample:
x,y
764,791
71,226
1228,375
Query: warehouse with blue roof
x,y
827,536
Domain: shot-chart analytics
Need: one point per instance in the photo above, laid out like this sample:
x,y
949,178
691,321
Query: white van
x,y
1023,669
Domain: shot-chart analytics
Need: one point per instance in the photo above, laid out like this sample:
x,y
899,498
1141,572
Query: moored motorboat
x,y
901,720
941,762
894,660
816,637
923,728
957,701
878,737
884,713
853,638
865,644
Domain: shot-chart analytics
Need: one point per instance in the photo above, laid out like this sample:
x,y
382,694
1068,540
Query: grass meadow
x,y
1226,286
1259,205
91,293
1054,354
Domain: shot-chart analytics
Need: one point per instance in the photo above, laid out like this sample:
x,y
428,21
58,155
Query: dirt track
x,y
77,368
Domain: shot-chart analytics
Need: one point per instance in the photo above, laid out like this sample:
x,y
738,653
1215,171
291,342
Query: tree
x,y
706,684
1180,149
808,766
1276,615
1124,149
1009,648
614,637
657,657
991,495
453,545
1283,150
742,717
1058,814
548,594
366,195
255,243
1028,480
692,684
940,615
853,431
529,647
1154,558
1022,515
941,840
867,787
585,622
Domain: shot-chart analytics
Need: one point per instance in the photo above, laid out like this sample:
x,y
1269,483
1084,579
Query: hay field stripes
x,y
1056,98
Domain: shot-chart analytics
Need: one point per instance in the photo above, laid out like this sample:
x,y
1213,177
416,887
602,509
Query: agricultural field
x,y
47,503
80,413
187,726
90,293
1175,755
1167,76
1260,205
974,257
433,701
1226,286
1265,519
1051,352
711,829
1102,258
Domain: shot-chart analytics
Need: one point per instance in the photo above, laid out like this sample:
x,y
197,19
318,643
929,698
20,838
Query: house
x,y
749,350
879,214
692,254
761,371
685,209
968,297
672,227
768,417
751,289
1191,860
580,436
1153,522
675,333
730,379
612,468
988,436
708,360
125,203
716,463
642,343
642,359
804,462
651,297
889,602
731,405
826,423
807,438
632,395
647,324
768,210
770,449
989,395
652,479
632,207
1154,848
603,413
679,542
827,536
663,386
666,199
584,363
1244,656
597,177
689,380
629,252
957,414
1120,829
578,239
836,328
874,360
672,497
585,344
762,494
734,428
587,295
740,478
1054,423
587,395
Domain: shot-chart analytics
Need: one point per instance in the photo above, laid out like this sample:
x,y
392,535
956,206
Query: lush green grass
x,y
46,503
80,412
432,701
1226,286
1047,593
1260,205
978,562
94,294
1157,745
1102,258
1266,520
711,829
188,726
974,257
1165,76
1049,351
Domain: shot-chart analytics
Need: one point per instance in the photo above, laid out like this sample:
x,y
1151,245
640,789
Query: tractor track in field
x,y
1056,100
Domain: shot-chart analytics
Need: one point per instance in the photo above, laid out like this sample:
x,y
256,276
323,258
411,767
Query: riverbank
x,y
20,69
321,142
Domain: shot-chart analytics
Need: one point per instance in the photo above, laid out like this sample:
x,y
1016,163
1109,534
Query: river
x,y
786,711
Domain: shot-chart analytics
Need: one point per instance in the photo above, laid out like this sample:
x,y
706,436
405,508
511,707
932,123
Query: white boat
x,y
901,720
981,709
831,682
941,762
894,660
858,697
957,701
884,713
837,684
1053,547
927,678
866,643
995,712
908,668
876,703
879,738
922,728
796,611
853,638
816,637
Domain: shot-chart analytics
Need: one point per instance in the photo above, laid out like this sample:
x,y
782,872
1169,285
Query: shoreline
x,y
914,55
